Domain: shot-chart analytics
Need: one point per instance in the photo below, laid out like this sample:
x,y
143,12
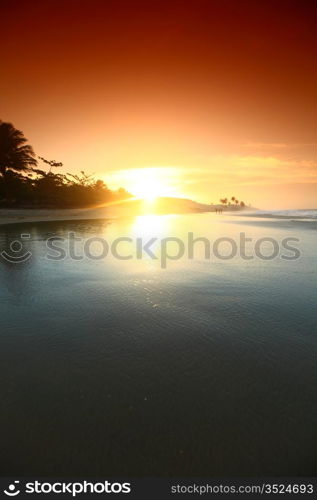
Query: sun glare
x,y
147,188
147,183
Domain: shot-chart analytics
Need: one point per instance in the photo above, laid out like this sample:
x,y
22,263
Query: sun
x,y
148,189
149,183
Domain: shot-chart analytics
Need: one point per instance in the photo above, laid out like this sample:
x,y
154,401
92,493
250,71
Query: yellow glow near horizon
x,y
147,183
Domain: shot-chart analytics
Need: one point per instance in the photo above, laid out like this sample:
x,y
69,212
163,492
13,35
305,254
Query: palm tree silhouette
x,y
15,154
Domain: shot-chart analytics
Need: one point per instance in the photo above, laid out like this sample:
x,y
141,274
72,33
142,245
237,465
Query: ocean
x,y
199,361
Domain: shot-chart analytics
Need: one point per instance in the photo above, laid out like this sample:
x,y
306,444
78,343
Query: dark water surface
x,y
123,368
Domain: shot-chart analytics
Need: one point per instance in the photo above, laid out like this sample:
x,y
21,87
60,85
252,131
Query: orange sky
x,y
219,97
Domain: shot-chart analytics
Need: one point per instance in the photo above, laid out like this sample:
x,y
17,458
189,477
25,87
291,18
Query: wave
x,y
308,214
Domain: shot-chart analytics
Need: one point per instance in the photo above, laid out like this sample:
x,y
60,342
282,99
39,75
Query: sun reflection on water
x,y
152,225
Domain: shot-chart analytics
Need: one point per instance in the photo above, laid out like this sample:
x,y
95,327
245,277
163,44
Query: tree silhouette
x,y
15,153
235,202
51,163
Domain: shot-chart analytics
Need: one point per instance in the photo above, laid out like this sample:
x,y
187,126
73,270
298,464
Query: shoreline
x,y
20,216
14,216
127,208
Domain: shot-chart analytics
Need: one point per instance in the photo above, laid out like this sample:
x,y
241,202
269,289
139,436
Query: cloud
x,y
276,146
266,145
252,170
